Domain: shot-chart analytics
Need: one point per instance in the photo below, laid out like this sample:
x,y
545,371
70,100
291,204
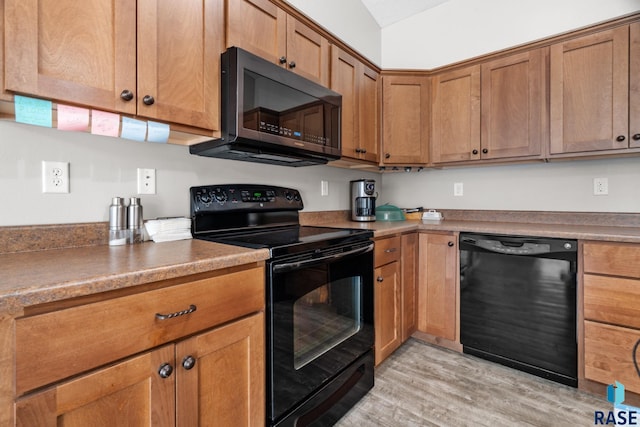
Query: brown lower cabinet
x,y
395,293
437,278
205,367
387,297
611,283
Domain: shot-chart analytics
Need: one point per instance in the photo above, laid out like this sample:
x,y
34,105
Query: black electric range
x,y
259,216
319,299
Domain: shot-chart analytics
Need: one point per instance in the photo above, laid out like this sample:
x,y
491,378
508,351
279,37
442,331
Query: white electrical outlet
x,y
55,177
146,181
458,189
600,186
324,188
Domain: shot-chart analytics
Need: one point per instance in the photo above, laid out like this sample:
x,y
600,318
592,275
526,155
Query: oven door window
x,y
325,317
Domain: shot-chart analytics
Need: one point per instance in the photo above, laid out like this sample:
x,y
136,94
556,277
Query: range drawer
x,y
608,354
614,259
612,300
387,250
56,345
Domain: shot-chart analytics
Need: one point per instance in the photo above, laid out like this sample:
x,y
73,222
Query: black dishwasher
x,y
518,303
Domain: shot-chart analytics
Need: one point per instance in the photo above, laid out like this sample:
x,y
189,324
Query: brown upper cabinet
x,y
359,86
405,119
455,115
264,29
496,110
119,55
595,85
514,113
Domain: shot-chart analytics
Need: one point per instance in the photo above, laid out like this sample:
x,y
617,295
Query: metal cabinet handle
x,y
283,59
450,244
188,362
386,156
165,370
380,279
148,100
189,310
474,152
620,138
363,151
391,250
126,95
292,64
636,137
485,151
358,150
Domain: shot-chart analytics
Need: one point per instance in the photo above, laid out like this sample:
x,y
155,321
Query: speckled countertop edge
x,y
573,231
45,276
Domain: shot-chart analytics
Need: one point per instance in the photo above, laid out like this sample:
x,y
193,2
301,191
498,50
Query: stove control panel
x,y
244,197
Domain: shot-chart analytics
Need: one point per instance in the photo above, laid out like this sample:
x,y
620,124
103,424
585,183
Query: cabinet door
x,y
221,376
589,92
180,74
130,393
409,269
81,52
455,120
307,52
405,123
437,306
257,26
609,354
634,85
369,113
344,80
387,311
514,121
4,95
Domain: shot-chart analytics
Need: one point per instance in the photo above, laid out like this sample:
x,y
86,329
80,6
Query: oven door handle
x,y
290,266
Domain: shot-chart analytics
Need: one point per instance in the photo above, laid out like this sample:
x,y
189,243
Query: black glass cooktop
x,y
289,240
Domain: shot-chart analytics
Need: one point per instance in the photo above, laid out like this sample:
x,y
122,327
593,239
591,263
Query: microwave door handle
x,y
289,266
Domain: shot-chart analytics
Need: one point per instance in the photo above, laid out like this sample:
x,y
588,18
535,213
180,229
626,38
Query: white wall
x,y
461,29
349,20
102,167
555,186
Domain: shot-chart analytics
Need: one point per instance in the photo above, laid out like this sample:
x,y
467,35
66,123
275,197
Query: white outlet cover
x,y
146,181
55,177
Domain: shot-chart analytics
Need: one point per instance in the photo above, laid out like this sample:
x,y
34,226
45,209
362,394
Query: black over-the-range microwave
x,y
272,115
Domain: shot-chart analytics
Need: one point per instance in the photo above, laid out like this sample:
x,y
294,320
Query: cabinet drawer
x,y
608,354
615,259
612,300
56,345
387,250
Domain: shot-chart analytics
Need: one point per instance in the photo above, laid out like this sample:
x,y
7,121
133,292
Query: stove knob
x,y
288,196
205,198
219,195
297,197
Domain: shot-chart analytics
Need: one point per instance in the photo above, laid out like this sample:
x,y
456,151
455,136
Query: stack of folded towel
x,y
168,229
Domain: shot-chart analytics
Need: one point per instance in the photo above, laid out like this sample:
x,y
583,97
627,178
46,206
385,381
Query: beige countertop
x,y
573,231
30,278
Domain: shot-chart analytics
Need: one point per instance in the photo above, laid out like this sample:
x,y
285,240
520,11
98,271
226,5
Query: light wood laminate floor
x,y
424,385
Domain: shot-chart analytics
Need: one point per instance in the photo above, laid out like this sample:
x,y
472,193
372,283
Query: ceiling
x,y
387,12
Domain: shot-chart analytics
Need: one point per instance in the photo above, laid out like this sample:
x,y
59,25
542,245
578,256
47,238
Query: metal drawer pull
x,y
190,310
390,250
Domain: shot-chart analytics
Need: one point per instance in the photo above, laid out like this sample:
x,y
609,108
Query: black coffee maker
x,y
363,200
